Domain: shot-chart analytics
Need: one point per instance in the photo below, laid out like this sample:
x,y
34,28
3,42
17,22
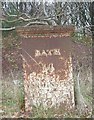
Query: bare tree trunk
x,y
92,30
80,103
1,111
92,18
58,11
21,6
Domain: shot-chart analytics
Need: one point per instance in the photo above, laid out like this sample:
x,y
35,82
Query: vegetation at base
x,y
12,81
12,94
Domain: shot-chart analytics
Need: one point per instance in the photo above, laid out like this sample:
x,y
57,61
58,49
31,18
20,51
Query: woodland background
x,y
79,14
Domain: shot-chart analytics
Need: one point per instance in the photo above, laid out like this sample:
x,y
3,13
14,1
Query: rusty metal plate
x,y
47,53
47,64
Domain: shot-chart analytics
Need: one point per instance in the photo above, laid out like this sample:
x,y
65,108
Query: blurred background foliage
x,y
79,14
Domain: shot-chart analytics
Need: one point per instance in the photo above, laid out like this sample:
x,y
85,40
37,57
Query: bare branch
x,y
39,23
26,15
20,18
7,29
14,15
30,19
15,7
9,14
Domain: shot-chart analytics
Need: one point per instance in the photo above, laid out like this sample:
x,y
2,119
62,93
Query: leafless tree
x,y
43,13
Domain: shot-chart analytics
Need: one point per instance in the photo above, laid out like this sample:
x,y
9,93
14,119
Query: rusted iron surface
x,y
49,52
47,66
45,31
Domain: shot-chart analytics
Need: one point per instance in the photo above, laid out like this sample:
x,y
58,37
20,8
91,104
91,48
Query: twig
x,y
31,58
31,23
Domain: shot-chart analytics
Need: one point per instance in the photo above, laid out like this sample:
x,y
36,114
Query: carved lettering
x,y
37,53
43,53
48,68
56,52
46,53
50,52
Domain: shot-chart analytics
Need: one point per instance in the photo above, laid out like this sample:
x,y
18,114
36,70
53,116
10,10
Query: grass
x,y
13,98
